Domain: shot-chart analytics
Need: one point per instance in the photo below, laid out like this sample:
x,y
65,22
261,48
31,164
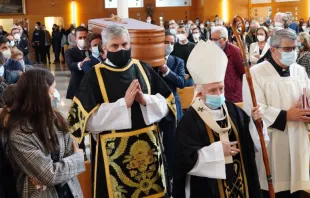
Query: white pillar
x,y
122,8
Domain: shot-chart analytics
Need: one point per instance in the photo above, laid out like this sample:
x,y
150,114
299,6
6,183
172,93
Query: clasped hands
x,y
134,93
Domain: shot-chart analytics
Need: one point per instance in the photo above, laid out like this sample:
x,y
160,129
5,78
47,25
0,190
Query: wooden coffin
x,y
147,40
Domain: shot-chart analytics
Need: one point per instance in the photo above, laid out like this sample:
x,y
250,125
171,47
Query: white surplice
x,y
288,150
211,160
116,116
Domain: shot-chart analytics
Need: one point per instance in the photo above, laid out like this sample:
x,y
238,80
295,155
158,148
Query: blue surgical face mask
x,y
173,31
288,58
95,52
218,43
215,101
169,49
55,99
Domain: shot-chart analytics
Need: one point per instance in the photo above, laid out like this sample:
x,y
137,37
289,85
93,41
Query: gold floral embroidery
x,y
135,166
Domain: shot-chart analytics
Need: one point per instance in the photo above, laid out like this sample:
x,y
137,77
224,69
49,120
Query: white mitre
x,y
207,63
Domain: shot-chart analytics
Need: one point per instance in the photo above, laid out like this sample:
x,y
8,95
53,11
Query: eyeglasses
x,y
288,49
182,32
214,39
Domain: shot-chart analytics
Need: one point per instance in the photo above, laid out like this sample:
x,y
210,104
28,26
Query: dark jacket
x,y
3,33
38,37
56,41
7,180
294,26
89,64
183,51
175,79
73,57
23,45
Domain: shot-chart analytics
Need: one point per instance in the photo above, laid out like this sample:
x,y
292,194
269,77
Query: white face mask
x,y
181,37
148,21
278,24
304,27
169,49
55,99
17,36
95,52
173,31
7,54
261,38
196,36
12,43
81,43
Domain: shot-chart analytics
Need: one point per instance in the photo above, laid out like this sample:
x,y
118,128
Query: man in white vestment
x,y
215,151
279,83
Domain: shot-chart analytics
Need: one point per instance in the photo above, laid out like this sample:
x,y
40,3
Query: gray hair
x,y
222,30
277,37
114,31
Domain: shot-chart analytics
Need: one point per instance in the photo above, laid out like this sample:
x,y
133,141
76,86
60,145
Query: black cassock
x,y
241,176
125,163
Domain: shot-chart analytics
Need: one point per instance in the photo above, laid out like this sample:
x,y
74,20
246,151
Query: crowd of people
x,y
143,143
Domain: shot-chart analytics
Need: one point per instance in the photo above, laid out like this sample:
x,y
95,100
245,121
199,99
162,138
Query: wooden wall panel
x,y
36,10
235,7
302,7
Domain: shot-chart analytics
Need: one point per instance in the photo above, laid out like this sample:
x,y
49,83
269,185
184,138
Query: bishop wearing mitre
x,y
215,151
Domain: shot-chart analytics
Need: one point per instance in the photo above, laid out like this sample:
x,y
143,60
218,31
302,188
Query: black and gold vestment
x,y
241,176
125,163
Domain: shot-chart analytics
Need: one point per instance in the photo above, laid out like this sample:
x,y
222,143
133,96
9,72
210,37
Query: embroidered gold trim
x,y
157,195
170,101
219,183
107,159
147,82
241,156
102,65
87,115
96,165
101,84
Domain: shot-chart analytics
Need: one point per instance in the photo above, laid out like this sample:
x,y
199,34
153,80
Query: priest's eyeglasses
x,y
288,49
214,39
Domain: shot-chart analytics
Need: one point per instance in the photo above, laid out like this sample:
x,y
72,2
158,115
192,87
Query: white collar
x,y
81,48
217,114
107,61
167,56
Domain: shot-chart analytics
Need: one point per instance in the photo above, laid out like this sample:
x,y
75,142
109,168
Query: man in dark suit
x,y
75,58
173,73
38,42
21,42
94,45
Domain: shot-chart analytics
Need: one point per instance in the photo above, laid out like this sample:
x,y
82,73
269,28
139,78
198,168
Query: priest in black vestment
x,y
215,152
120,103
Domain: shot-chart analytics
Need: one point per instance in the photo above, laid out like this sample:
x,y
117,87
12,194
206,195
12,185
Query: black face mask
x,y
119,58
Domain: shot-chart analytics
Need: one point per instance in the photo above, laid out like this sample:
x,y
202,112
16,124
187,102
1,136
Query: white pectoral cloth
x,y
277,91
202,169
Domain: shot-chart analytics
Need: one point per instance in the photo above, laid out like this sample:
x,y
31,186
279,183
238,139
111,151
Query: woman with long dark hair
x,y
45,159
